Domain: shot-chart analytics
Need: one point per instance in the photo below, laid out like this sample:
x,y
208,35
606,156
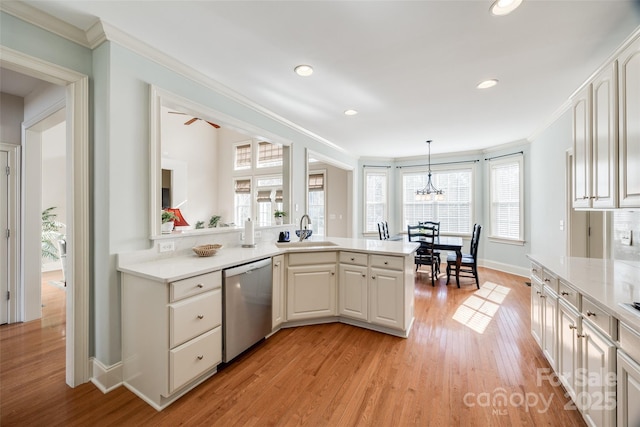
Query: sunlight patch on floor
x,y
477,311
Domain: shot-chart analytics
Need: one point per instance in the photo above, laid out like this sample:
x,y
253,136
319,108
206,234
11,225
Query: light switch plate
x,y
626,238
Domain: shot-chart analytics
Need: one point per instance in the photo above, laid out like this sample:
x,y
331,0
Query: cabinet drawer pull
x,y
547,280
200,357
200,316
581,336
333,274
353,259
573,327
200,285
590,313
564,293
534,270
543,296
538,292
364,275
373,277
386,263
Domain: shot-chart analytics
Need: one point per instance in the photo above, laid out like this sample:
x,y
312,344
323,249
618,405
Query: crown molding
x,y
45,21
102,31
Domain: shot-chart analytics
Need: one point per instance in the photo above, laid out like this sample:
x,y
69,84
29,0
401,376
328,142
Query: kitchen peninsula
x,y
172,305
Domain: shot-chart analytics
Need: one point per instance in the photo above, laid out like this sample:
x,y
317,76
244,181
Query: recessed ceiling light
x,y
350,112
504,7
303,70
487,84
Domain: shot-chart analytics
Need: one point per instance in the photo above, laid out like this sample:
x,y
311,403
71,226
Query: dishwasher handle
x,y
246,268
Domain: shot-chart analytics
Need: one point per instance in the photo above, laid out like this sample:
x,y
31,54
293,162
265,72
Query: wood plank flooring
x,y
467,349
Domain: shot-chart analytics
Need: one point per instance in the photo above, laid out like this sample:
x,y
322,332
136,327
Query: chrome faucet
x,y
303,231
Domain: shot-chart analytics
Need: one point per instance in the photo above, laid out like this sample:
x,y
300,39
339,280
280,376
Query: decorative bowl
x,y
307,233
206,250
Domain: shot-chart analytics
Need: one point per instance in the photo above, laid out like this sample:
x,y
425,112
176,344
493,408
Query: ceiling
x,y
410,68
14,83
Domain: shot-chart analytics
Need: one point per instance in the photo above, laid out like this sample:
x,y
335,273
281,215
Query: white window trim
x,y
499,239
378,171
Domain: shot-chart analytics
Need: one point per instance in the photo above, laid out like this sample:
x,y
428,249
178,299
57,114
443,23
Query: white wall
x,y
548,188
197,146
12,108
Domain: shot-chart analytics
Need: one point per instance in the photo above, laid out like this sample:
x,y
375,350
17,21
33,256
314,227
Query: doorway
x,y
587,231
76,88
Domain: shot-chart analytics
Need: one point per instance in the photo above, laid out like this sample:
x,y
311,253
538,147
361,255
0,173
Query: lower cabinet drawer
x,y
387,261
630,342
193,316
194,358
568,294
600,318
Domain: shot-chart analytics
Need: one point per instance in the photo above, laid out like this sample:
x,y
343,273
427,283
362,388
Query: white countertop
x,y
608,283
181,266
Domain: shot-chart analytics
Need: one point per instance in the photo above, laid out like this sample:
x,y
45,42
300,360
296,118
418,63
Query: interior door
x,y
4,246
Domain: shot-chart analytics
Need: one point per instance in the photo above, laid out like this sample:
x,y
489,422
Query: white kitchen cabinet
x,y
629,130
549,325
354,291
536,310
387,298
628,377
278,295
311,285
173,336
595,142
597,396
568,347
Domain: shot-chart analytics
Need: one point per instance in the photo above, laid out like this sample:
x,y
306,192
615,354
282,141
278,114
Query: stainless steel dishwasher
x,y
246,307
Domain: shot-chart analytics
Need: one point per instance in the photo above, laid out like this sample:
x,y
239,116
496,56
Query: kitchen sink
x,y
306,244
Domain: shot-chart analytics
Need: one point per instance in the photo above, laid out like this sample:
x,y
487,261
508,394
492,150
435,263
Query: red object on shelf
x,y
179,221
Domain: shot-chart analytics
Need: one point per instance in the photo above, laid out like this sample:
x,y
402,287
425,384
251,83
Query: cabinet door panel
x,y
582,149
387,298
568,350
628,391
311,292
629,86
536,310
354,293
605,138
277,313
598,382
550,323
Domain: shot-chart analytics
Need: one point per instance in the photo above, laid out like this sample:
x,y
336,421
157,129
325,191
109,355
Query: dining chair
x,y
469,265
383,230
436,229
424,255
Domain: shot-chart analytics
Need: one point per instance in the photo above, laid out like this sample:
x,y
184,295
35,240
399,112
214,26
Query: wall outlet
x,y
169,246
626,238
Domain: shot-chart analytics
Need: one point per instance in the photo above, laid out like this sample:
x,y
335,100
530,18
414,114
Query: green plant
x,y
279,214
199,225
50,234
213,222
168,216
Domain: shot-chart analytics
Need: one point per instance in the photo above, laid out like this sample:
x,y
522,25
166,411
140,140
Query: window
x,y
454,212
506,192
269,198
243,156
269,155
317,202
376,198
242,200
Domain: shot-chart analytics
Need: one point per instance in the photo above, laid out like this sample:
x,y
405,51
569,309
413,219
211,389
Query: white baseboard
x,y
106,378
507,268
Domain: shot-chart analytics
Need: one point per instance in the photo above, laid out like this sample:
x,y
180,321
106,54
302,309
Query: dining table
x,y
450,243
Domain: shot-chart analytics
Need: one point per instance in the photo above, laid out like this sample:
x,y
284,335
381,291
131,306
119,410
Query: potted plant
x,y
213,221
279,215
168,219
50,234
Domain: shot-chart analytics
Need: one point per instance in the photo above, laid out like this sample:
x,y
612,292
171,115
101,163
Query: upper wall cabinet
x,y
629,88
595,142
606,136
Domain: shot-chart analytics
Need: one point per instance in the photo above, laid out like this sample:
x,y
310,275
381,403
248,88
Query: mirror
x,y
330,203
217,170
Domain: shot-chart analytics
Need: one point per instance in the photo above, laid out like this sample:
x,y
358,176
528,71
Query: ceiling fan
x,y
188,122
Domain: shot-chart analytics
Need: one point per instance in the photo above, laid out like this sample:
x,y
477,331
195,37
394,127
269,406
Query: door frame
x,y
78,202
13,208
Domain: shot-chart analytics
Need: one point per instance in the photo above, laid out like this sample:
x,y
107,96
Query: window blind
x,y
316,182
243,156
243,186
506,194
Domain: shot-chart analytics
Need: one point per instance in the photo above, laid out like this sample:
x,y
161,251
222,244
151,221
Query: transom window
x,y
269,155
243,156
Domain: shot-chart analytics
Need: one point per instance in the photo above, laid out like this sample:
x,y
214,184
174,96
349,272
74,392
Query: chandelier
x,y
429,192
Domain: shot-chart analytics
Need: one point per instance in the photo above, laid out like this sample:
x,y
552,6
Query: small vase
x,y
279,220
167,227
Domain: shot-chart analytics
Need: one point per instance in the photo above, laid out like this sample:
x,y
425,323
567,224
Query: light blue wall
x,y
548,187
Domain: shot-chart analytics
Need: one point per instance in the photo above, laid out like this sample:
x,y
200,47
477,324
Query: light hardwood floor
x,y
465,351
